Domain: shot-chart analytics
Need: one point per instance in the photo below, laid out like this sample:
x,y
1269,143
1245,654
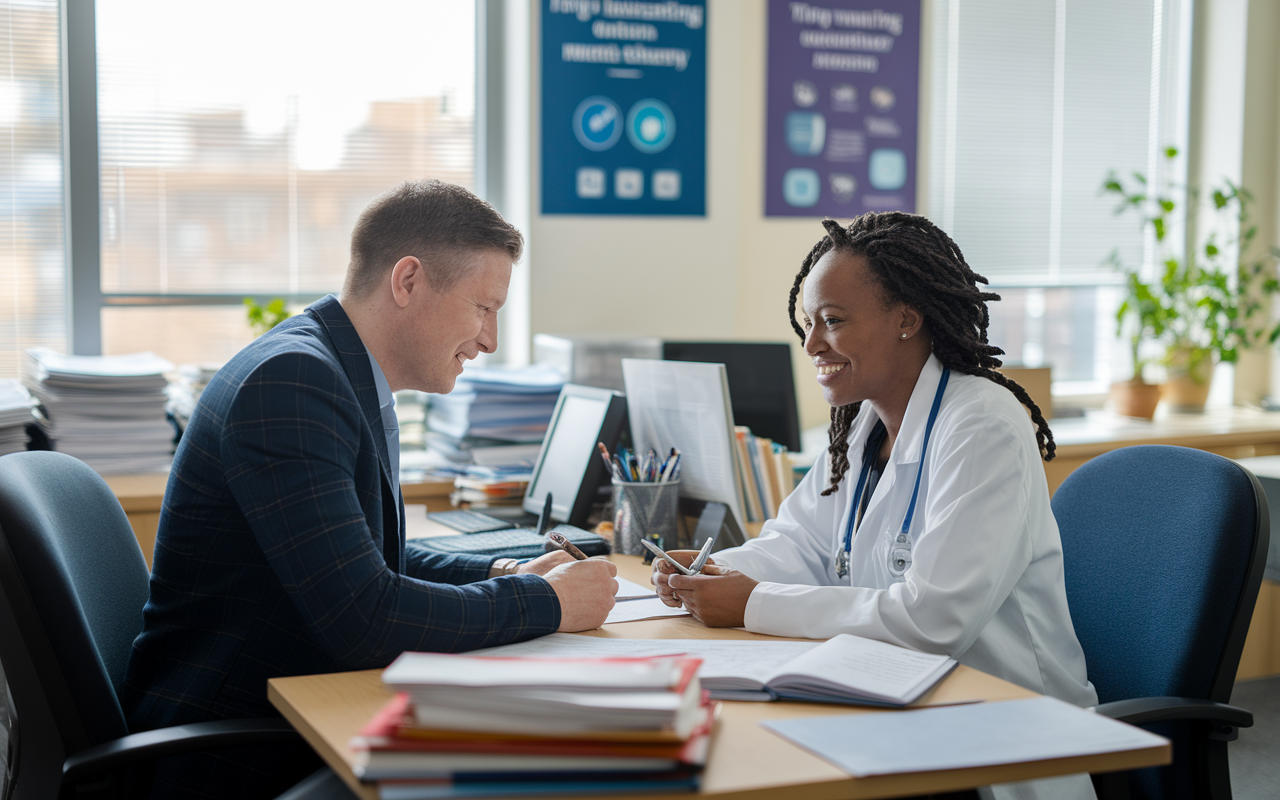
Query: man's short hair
x,y
438,223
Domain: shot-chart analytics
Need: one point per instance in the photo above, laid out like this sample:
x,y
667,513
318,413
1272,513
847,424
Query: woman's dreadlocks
x,y
916,263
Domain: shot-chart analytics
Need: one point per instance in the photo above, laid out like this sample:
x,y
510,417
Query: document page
x,y
726,663
955,737
848,666
684,404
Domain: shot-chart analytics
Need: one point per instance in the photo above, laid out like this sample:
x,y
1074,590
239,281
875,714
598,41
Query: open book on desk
x,y
847,669
843,669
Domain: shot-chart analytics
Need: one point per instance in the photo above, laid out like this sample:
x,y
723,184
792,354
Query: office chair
x,y
1163,550
72,586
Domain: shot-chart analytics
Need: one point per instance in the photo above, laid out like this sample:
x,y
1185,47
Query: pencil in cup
x,y
645,511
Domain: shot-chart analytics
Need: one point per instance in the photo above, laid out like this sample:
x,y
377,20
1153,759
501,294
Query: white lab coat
x,y
985,585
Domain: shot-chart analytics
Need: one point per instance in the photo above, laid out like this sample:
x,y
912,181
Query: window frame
x,y
81,174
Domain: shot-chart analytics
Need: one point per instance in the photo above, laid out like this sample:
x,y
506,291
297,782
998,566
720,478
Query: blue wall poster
x,y
843,83
624,107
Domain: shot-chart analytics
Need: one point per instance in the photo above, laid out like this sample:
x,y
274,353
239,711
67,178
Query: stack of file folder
x,y
108,411
463,726
490,407
16,412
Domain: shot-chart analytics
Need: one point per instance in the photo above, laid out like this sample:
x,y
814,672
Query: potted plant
x,y
1205,303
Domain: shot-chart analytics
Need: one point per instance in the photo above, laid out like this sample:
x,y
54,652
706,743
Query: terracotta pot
x,y
1187,387
1135,398
1185,395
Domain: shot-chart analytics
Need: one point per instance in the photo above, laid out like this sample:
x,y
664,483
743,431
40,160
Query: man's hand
x,y
545,563
717,598
585,590
662,569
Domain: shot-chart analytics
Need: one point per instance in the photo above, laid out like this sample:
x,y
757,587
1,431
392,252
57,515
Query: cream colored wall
x,y
723,276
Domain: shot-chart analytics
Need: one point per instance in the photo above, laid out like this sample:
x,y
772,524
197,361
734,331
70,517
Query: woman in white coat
x,y
928,525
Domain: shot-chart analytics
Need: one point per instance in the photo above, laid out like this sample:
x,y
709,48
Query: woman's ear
x,y
910,321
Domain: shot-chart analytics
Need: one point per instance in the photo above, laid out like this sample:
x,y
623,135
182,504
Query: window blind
x,y
1032,105
33,270
239,140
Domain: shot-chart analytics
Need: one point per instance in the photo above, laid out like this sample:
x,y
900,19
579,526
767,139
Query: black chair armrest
x,y
1146,710
172,741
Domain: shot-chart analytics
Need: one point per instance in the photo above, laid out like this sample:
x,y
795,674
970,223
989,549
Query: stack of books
x,y
108,411
764,467
16,412
491,407
488,487
464,726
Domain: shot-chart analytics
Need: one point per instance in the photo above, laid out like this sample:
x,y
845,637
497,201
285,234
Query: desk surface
x,y
746,759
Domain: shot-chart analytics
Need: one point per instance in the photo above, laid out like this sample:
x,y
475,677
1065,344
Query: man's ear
x,y
407,276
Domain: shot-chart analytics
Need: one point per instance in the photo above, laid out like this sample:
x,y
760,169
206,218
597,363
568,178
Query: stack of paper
x,y
108,411
16,405
465,726
501,405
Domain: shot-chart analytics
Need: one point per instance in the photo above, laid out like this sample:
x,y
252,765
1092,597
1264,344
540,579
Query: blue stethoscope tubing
x,y
842,563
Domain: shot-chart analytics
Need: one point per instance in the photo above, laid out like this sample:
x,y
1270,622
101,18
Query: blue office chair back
x,y
73,583
1160,546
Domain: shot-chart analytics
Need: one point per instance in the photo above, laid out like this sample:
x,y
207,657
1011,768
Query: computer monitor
x,y
569,465
762,387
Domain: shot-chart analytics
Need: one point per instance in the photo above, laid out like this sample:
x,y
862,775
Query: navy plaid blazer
x,y
280,548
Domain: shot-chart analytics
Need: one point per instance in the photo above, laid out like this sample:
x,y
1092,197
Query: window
x,y
239,140
1032,105
32,254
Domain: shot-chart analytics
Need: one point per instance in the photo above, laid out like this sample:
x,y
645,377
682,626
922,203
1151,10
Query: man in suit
x,y
280,549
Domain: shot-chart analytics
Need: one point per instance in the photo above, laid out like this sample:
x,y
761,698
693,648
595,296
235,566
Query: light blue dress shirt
x,y
390,426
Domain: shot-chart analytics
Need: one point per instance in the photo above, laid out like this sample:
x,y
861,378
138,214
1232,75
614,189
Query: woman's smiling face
x,y
853,336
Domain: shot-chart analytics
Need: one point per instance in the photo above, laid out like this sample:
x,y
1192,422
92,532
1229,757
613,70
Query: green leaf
x,y
1170,152
1158,224
1167,205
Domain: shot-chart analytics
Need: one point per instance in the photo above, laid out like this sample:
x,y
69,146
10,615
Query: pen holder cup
x,y
645,511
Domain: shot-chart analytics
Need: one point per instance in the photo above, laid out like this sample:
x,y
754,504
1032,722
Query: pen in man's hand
x,y
561,542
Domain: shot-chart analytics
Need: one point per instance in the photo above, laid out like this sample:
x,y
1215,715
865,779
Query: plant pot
x,y
1135,398
1187,387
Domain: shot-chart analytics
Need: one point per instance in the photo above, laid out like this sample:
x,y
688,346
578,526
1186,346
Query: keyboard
x,y
513,543
469,521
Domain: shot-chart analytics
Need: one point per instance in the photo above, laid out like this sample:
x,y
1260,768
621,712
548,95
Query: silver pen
x,y
693,569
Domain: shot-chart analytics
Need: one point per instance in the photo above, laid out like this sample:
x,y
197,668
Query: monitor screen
x,y
569,466
761,385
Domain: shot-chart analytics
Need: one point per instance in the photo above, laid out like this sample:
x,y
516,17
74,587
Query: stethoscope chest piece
x,y
900,555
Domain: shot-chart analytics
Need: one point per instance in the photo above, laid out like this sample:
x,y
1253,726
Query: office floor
x,y
1255,757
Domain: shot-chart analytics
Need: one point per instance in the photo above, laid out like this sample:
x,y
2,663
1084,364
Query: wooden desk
x,y
1229,432
747,761
142,495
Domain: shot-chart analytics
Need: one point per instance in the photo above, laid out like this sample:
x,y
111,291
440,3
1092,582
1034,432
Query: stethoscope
x,y
900,554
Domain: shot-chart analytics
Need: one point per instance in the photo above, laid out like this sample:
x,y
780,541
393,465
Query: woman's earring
x,y
904,336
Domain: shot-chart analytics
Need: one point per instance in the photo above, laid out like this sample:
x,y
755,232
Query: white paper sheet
x,y
648,608
956,737
752,660
630,590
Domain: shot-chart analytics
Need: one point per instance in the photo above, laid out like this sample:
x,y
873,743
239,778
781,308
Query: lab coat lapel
x,y
906,450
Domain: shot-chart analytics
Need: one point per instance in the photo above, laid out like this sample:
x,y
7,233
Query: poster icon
x,y
666,184
842,186
651,126
597,122
882,97
628,184
591,182
804,93
801,187
844,97
887,170
806,133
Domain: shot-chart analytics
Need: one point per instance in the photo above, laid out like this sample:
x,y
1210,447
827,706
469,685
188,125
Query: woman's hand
x,y
717,597
662,568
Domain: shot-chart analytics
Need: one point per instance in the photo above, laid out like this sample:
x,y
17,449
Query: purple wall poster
x,y
843,84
